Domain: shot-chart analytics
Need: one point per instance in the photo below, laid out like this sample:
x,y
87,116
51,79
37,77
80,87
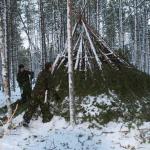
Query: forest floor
x,y
58,135
14,96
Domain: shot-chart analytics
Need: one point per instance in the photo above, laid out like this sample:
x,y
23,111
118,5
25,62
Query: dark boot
x,y
25,123
47,118
29,113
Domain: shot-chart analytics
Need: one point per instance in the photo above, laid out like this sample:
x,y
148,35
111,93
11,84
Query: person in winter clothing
x,y
24,78
40,94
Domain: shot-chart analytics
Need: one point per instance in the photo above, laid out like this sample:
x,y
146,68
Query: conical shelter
x,y
90,51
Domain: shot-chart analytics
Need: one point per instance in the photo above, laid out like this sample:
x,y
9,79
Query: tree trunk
x,y
121,41
70,63
43,38
134,59
5,58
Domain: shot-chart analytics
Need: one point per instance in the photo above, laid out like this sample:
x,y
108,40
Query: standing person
x,y
42,89
24,78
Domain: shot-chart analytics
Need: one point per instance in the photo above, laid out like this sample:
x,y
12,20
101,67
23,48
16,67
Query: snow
x,y
14,96
58,135
89,104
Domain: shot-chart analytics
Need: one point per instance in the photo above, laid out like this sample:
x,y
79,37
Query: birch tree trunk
x,y
70,64
5,59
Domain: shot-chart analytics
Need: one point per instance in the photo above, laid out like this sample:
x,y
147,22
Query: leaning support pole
x,y
78,55
92,46
70,64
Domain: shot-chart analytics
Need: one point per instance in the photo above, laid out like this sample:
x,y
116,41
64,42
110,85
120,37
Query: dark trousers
x,y
26,92
33,105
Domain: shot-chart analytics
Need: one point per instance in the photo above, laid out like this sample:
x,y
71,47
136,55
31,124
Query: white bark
x,y
78,55
70,64
81,54
4,57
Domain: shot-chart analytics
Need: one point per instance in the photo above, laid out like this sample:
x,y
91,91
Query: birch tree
x,y
70,63
4,56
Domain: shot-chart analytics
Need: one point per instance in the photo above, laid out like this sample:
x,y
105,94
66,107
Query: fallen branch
x,y
10,119
105,132
4,129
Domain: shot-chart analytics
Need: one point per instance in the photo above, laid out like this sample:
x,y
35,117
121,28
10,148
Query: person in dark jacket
x,y
24,78
40,94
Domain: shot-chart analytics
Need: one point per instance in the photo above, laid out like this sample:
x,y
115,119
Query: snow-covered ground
x,y
14,96
58,135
